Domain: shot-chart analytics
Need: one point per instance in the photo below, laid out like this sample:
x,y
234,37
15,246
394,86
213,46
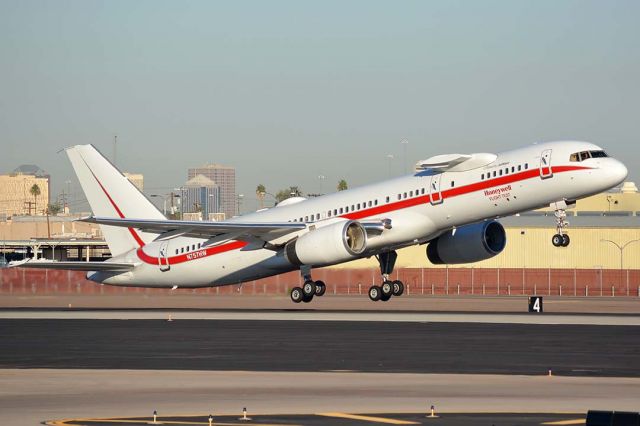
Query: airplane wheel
x,y
557,240
374,293
385,298
307,299
387,289
296,295
398,288
309,289
565,240
321,288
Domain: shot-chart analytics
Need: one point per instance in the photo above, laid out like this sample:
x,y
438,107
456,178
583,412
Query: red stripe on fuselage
x,y
454,192
450,193
194,255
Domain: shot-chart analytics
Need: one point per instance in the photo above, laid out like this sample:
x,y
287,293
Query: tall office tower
x,y
200,195
225,178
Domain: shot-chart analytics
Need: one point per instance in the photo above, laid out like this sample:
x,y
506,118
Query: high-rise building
x,y
137,179
200,195
225,178
16,197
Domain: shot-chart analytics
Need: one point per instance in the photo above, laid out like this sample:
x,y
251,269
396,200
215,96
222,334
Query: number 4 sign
x,y
535,304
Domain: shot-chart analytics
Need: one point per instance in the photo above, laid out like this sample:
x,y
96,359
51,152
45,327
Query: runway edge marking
x,y
368,418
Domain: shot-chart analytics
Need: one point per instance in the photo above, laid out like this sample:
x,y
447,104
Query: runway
x,y
316,346
58,364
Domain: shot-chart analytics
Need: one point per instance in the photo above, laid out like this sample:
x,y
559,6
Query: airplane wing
x,y
74,266
201,229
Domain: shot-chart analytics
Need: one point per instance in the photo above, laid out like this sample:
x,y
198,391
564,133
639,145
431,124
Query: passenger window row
x,y
339,211
505,171
411,194
187,249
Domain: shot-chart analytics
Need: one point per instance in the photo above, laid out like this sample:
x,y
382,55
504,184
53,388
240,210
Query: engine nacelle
x,y
467,244
339,242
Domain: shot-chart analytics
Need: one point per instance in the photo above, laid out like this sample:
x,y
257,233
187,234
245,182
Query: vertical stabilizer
x,y
111,194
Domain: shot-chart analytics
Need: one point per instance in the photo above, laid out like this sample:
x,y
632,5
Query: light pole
x,y
321,178
404,143
389,158
239,199
621,248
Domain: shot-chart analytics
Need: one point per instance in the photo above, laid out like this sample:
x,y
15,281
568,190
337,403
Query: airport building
x,y
225,178
16,196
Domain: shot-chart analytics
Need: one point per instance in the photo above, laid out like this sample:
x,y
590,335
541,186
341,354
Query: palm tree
x,y
261,191
35,191
342,185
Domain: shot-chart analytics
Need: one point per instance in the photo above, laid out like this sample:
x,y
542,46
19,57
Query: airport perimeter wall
x,y
418,281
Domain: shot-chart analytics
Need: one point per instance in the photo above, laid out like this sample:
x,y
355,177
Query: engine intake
x,y
328,245
467,244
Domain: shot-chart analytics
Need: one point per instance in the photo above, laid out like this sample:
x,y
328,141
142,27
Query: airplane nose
x,y
618,172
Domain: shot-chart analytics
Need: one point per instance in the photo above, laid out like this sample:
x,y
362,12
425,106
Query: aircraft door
x,y
163,256
545,164
434,189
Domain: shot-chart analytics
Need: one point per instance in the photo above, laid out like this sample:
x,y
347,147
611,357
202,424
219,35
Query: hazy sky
x,y
288,91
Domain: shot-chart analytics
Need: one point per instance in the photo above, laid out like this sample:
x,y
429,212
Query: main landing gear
x,y
388,288
309,289
560,239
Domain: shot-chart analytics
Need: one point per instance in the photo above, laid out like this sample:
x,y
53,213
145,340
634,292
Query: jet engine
x,y
335,243
467,244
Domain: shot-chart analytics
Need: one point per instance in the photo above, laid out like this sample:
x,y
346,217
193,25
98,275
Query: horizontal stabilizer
x,y
73,266
202,229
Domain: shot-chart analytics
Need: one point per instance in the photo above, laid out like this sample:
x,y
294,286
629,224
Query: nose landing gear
x,y
560,239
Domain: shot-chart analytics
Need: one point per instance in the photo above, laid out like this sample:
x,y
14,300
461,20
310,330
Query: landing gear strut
x,y
309,289
388,288
560,239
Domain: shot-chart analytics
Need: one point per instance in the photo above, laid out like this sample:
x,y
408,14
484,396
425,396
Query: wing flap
x,y
202,229
74,266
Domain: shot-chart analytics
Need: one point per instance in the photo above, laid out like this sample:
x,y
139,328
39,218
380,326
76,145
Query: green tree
x,y
292,191
55,208
35,191
261,191
342,185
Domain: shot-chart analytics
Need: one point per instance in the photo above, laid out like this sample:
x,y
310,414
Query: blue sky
x,y
288,90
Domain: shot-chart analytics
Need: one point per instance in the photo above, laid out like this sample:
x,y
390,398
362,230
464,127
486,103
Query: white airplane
x,y
450,203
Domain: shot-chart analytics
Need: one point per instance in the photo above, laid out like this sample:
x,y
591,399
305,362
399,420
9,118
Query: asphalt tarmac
x,y
343,419
318,346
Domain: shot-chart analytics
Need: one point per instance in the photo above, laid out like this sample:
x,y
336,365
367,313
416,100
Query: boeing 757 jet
x,y
450,204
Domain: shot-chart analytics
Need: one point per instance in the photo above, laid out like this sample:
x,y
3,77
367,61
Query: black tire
x,y
557,240
296,295
385,298
387,288
565,240
309,289
307,299
374,293
398,288
321,288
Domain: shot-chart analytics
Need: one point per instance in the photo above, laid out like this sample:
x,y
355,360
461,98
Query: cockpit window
x,y
598,154
585,155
